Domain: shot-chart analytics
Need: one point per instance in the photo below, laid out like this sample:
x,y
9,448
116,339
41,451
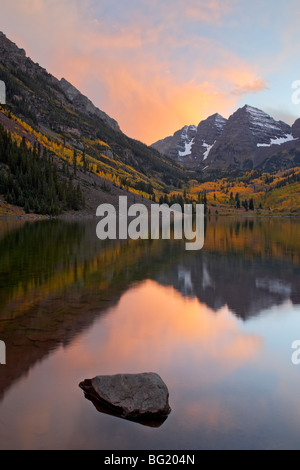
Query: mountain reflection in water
x,y
137,306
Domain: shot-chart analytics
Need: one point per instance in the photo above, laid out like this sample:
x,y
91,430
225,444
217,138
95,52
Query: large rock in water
x,y
137,397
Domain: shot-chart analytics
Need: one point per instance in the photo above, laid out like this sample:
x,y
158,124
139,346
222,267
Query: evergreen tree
x,y
245,205
33,182
237,201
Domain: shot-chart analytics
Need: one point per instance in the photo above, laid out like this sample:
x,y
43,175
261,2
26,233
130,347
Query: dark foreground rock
x,y
138,397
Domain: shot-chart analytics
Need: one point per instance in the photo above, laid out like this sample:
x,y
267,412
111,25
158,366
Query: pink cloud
x,y
209,11
134,73
255,86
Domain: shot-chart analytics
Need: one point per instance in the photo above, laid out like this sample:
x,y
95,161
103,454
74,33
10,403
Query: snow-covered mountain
x,y
191,144
208,132
248,138
264,127
244,141
179,145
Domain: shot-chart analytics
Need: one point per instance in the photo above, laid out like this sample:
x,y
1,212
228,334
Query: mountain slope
x,y
56,109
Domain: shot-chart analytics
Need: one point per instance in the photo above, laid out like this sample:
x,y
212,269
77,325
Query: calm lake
x,y
217,325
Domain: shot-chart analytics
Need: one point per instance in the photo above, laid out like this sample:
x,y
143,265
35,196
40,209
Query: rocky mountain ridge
x,y
248,139
55,108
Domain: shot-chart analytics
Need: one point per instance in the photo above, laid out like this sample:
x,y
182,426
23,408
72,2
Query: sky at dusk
x,y
157,65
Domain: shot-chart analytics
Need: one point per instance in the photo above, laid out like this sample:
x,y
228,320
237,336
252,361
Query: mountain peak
x,y
191,145
218,116
261,120
252,109
220,121
256,113
247,130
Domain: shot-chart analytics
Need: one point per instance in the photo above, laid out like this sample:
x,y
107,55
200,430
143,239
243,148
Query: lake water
x,y
217,325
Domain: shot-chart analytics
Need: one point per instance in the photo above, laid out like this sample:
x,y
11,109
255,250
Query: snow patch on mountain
x,y
279,141
188,149
208,149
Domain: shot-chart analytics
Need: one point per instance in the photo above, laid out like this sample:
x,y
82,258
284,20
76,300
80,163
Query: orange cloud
x,y
148,100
